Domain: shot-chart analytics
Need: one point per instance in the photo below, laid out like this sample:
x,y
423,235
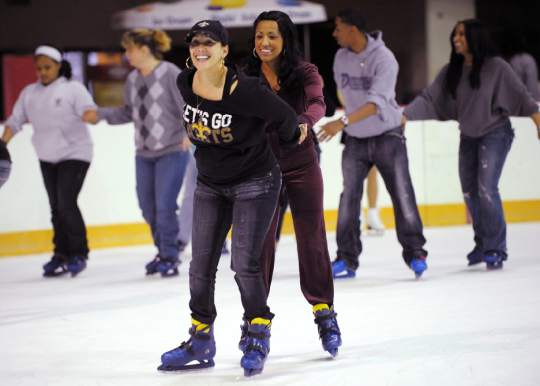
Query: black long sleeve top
x,y
230,134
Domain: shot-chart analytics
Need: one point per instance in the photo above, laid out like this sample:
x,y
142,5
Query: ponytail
x,y
65,69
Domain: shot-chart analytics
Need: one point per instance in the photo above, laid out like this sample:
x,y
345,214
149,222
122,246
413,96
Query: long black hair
x,y
291,56
480,47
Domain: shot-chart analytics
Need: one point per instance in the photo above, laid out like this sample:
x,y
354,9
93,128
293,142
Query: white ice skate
x,y
374,225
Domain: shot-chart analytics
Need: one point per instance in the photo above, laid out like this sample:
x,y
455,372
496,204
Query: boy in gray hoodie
x,y
365,72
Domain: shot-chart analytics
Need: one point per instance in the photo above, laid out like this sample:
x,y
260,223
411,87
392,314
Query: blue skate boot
x,y
168,267
55,267
418,265
76,264
242,344
494,260
476,256
340,270
257,347
325,319
200,348
152,266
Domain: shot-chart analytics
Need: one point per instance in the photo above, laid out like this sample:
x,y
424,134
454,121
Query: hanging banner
x,y
181,15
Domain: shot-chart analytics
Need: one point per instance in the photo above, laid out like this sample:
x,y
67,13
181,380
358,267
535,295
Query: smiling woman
x,y
226,115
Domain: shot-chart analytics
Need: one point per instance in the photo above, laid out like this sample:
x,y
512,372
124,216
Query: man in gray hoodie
x,y
365,72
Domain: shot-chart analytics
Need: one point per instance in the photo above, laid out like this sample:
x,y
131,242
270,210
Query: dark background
x,y
85,26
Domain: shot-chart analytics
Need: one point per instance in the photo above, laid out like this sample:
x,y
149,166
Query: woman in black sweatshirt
x,y
226,115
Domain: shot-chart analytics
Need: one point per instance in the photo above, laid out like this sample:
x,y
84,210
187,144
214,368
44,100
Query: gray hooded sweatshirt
x,y
478,111
369,77
55,112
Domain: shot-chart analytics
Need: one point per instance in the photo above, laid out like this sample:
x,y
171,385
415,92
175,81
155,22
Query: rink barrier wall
x,y
108,236
109,203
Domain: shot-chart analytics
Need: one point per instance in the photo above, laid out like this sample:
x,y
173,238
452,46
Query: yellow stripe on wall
x,y
107,236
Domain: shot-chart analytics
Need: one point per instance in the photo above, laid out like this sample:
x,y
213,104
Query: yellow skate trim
x,y
264,321
200,326
320,306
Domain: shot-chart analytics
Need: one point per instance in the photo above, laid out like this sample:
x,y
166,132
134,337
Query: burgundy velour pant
x,y
302,178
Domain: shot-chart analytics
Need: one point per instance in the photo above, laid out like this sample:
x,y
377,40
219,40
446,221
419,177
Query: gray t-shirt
x,y
478,111
55,112
154,104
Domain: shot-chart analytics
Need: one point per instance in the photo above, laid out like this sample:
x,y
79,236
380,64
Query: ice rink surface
x,y
456,326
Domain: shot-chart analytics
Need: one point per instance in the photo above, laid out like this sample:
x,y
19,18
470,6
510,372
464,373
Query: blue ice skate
x,y
55,267
152,266
494,260
325,319
418,265
168,267
257,347
340,270
200,349
76,264
476,256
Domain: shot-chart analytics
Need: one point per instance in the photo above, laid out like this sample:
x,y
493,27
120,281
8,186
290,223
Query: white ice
x,y
109,326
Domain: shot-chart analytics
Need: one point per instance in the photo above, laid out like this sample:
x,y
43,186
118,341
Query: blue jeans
x,y
248,207
388,152
159,181
5,170
481,161
185,214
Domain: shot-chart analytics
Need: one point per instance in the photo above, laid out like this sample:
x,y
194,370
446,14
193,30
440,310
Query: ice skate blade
x,y
54,274
195,366
474,262
333,352
348,275
375,232
170,274
494,267
252,372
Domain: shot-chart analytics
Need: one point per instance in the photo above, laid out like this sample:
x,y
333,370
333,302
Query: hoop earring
x,y
254,52
283,52
189,64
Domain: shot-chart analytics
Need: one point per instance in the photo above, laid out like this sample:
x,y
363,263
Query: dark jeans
x,y
63,182
481,161
304,187
159,181
248,207
388,152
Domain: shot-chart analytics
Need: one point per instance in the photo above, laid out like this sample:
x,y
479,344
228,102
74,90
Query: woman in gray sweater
x,y
154,104
481,92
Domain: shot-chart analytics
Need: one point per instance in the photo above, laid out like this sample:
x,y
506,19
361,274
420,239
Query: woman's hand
x,y
185,145
303,132
90,116
327,131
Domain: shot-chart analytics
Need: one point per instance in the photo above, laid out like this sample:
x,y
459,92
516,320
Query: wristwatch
x,y
345,120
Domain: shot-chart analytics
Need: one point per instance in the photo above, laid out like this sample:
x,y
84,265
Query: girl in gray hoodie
x,y
54,105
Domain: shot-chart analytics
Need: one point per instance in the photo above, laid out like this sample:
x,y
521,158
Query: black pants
x,y
63,182
248,207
